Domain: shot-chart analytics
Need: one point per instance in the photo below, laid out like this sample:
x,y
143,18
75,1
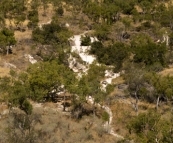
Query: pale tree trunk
x,y
157,140
135,104
8,47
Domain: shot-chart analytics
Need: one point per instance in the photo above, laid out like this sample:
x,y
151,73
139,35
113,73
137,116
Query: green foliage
x,y
150,127
109,88
147,51
60,11
19,19
89,84
12,8
85,41
102,31
48,76
51,34
6,39
27,107
162,85
105,116
33,17
111,55
16,91
145,126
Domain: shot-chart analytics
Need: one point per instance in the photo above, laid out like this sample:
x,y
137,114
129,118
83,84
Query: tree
x,y
151,127
119,27
7,39
145,126
46,78
15,91
85,41
21,128
127,23
111,55
162,86
136,85
33,17
2,21
167,17
60,11
19,20
51,34
105,117
102,31
147,51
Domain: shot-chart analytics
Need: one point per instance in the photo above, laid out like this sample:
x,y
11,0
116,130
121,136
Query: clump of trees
x,y
150,127
33,17
111,55
51,34
148,52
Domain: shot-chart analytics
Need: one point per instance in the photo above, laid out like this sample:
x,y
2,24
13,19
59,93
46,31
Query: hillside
x,y
86,71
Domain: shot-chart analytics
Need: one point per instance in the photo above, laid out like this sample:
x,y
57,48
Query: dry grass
x,y
166,72
123,112
118,80
19,36
4,71
49,13
55,127
117,92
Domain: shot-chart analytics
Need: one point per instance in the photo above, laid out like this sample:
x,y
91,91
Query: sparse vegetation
x,y
134,38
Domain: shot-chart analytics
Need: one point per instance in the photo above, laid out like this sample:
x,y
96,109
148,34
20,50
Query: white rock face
x,y
109,76
82,51
89,59
30,58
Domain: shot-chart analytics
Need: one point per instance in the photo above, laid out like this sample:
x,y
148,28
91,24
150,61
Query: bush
x,y
85,41
105,116
27,107
60,11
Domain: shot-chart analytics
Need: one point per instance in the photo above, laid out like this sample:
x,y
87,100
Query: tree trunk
x,y
64,103
157,103
8,47
136,104
94,110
